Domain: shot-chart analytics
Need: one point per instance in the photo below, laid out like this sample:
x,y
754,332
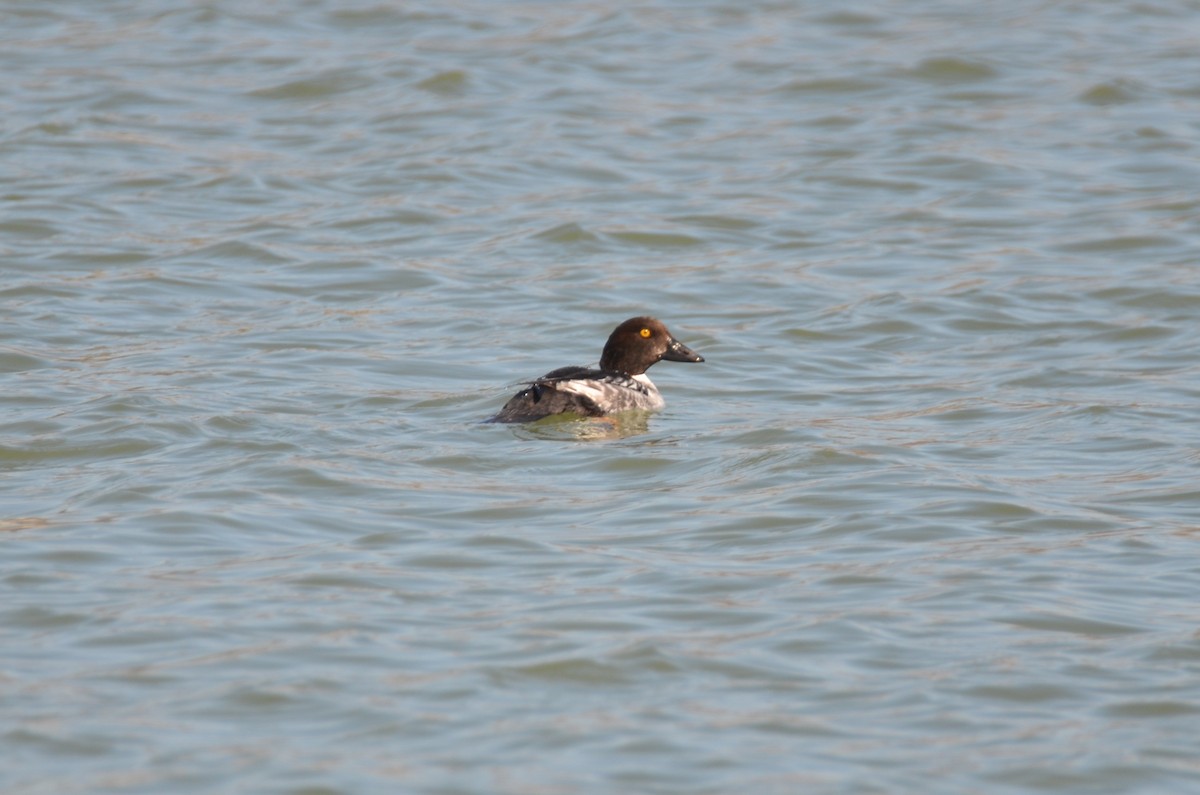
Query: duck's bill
x,y
678,352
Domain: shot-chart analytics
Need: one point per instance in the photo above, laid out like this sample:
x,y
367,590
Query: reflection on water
x,y
573,428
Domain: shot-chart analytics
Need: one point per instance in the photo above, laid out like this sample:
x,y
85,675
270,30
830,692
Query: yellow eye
x,y
645,332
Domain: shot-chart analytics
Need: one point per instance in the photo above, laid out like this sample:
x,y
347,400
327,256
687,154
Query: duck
x,y
619,383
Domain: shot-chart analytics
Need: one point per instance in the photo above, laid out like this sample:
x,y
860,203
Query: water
x,y
925,520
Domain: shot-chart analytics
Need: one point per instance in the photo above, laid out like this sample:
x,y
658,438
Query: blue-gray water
x,y
926,521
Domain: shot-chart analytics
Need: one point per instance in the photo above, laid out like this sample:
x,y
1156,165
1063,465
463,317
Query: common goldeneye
x,y
619,384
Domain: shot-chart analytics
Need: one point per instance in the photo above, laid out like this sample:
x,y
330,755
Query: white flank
x,y
615,394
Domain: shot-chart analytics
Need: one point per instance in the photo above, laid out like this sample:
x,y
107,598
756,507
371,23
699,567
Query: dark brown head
x,y
640,342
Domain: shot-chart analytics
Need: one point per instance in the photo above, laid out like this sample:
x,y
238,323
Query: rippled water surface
x,y
926,520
